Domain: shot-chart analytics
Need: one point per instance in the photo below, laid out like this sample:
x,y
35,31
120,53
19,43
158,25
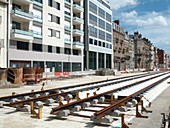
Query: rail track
x,y
40,95
100,104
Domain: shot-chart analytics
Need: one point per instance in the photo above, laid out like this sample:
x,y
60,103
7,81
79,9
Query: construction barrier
x,y
58,74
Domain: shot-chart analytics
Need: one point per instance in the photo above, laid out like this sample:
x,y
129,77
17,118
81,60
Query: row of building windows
x,y
50,66
100,12
49,48
100,34
100,23
100,43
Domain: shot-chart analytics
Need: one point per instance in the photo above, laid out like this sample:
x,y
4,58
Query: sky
x,y
151,18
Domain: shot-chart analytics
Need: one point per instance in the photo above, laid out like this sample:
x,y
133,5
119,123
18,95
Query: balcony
x,y
67,16
78,43
23,2
77,32
20,34
77,8
1,43
37,35
37,3
37,18
77,20
22,14
67,2
67,28
67,41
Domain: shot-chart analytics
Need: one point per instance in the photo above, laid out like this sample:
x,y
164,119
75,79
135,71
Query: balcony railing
x,y
67,2
37,18
67,28
37,35
76,31
77,19
67,41
67,16
37,3
23,13
78,7
22,32
78,43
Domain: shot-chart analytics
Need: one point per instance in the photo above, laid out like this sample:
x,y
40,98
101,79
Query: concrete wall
x,y
3,35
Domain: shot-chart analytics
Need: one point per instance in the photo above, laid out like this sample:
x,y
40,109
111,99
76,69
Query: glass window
x,y
58,34
95,42
92,19
108,17
101,13
101,23
50,32
57,6
49,17
50,3
37,47
108,27
57,49
93,7
100,43
103,44
57,20
50,49
22,45
91,41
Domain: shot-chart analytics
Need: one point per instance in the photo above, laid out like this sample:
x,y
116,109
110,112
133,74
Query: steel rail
x,y
71,86
63,93
101,113
56,109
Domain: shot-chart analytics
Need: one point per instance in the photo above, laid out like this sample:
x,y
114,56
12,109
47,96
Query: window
x,y
50,49
57,20
67,51
108,27
57,6
75,52
92,19
50,3
22,45
58,34
108,17
95,42
50,32
37,13
101,34
101,13
37,47
103,44
49,17
100,43
92,7
101,23
91,41
57,49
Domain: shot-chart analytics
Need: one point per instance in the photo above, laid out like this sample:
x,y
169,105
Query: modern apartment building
x,y
3,33
98,34
47,34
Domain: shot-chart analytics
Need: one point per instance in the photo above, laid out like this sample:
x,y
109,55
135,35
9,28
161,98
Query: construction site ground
x,y
10,118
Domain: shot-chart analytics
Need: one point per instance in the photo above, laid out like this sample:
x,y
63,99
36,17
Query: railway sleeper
x,y
105,119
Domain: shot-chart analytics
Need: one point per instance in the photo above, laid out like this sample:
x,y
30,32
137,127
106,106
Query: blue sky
x,y
150,17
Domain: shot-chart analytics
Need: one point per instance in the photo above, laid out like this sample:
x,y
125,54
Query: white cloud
x,y
116,4
149,19
132,14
